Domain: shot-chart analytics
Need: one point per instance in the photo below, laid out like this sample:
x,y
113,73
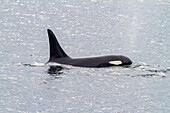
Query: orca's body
x,y
59,56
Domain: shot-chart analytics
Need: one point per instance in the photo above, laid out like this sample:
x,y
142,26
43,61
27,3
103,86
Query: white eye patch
x,y
118,62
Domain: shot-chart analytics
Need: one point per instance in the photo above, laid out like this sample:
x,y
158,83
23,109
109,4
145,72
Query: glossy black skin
x,y
59,56
102,61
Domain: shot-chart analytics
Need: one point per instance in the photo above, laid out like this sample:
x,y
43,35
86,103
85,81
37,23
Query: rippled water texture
x,y
138,29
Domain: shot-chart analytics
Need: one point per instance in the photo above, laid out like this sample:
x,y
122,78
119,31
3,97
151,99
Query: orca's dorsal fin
x,y
55,49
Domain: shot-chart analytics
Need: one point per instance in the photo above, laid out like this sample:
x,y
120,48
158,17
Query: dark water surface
x,y
138,29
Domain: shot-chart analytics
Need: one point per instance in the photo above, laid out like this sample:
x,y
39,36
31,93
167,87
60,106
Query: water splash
x,y
134,70
142,69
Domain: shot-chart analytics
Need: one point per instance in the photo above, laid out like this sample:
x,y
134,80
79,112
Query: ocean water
x,y
138,29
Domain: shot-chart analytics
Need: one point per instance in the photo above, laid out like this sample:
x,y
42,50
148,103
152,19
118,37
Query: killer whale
x,y
58,55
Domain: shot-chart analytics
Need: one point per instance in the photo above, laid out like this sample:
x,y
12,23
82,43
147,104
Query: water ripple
x,y
136,69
